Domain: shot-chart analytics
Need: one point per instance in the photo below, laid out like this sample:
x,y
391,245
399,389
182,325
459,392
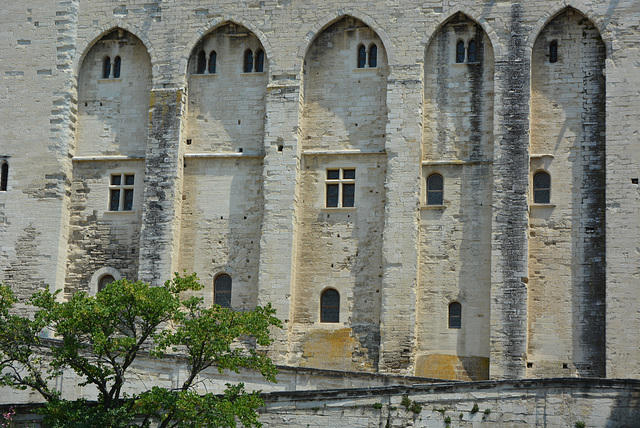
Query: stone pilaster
x,y
162,205
510,220
401,236
277,243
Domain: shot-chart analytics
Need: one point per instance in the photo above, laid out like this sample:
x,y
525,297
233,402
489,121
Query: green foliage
x,y
377,406
100,337
487,411
475,409
447,420
580,424
406,402
415,408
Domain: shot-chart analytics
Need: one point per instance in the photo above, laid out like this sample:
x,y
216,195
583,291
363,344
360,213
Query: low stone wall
x,y
561,402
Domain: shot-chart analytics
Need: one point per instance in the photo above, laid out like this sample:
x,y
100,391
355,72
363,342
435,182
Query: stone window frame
x,y
4,175
125,192
367,57
429,201
541,195
329,313
454,319
340,184
94,282
111,69
218,294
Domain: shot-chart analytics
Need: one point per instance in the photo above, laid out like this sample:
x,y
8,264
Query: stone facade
x,y
462,173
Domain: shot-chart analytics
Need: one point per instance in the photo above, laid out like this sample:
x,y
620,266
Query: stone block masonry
x,y
289,146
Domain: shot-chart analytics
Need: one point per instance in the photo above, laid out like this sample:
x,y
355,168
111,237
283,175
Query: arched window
x,y
259,61
117,63
472,53
106,68
541,188
373,55
202,63
330,306
4,176
455,315
104,281
362,56
460,52
435,190
213,58
222,291
248,61
553,51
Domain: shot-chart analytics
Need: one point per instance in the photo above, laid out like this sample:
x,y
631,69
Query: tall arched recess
x,y
567,235
114,84
341,196
455,232
113,97
222,206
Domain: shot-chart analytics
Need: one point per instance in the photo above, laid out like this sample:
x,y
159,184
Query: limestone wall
x,y
545,289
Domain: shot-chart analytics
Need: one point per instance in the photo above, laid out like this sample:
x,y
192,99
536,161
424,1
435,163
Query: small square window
x,y
340,188
121,195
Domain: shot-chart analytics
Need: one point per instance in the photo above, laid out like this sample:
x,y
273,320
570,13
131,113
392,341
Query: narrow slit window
x,y
222,291
213,59
259,61
373,56
362,56
117,65
248,61
455,315
202,63
106,68
435,190
472,53
4,176
460,52
330,306
541,188
553,51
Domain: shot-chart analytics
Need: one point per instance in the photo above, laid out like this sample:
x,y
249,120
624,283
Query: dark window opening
x,y
106,68
340,187
104,281
455,315
121,192
202,62
248,61
4,176
460,52
373,55
541,188
472,54
553,51
435,190
362,56
213,58
259,61
117,64
330,306
222,291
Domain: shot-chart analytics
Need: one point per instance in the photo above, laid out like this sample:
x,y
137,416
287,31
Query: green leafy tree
x,y
100,337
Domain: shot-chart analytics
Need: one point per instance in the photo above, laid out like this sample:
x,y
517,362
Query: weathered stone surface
x,y
231,171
